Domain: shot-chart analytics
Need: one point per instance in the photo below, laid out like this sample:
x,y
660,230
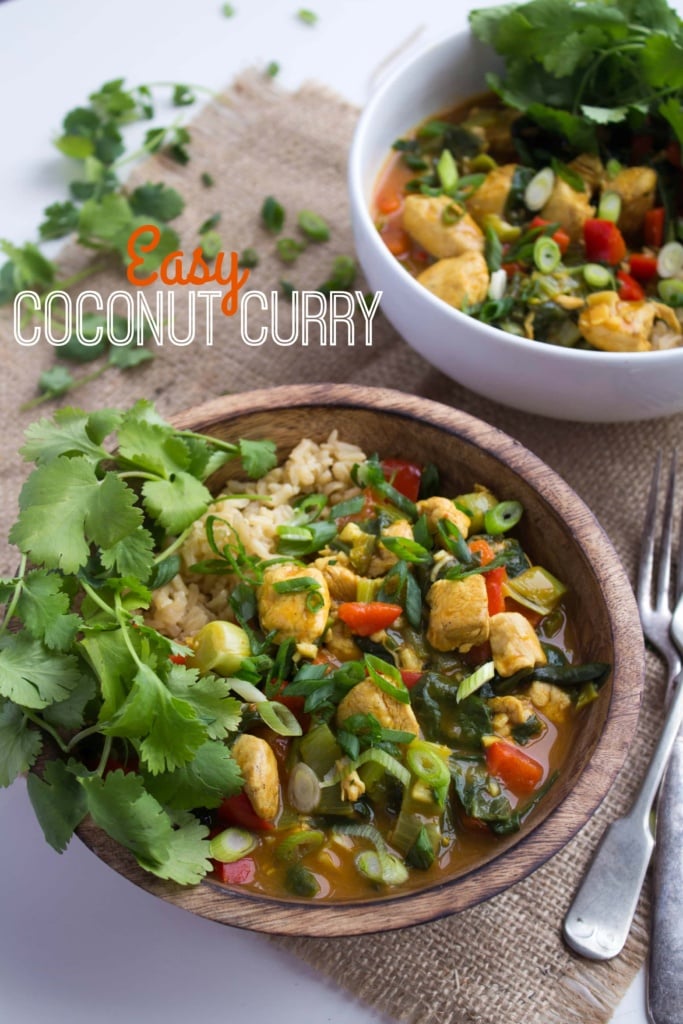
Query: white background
x,y
77,942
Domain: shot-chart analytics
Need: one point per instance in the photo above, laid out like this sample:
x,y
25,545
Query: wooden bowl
x,y
562,534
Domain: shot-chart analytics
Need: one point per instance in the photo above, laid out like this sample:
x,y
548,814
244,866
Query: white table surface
x,y
77,942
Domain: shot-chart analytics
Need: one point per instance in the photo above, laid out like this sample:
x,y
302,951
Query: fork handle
x,y
666,937
599,919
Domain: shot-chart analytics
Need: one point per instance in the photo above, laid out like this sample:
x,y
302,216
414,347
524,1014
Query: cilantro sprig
x,y
85,684
573,67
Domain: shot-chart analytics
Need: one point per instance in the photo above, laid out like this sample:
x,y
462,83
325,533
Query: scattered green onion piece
x,y
468,685
427,763
307,16
298,585
498,284
503,517
537,192
597,276
447,171
279,718
671,291
381,868
231,845
220,647
407,549
290,847
350,507
387,677
309,506
304,789
247,691
313,226
609,207
612,167
670,260
547,254
376,755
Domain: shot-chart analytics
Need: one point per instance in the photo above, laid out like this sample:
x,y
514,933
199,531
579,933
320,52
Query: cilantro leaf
x,y
152,447
33,676
20,744
69,714
59,803
132,555
120,805
113,664
187,859
257,457
177,502
67,433
125,357
55,381
157,201
206,781
210,697
168,727
105,223
60,219
43,606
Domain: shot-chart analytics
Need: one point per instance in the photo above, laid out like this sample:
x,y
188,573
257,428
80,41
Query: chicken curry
x,y
420,693
504,222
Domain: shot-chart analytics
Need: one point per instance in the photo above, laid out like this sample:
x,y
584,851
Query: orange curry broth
x,y
468,842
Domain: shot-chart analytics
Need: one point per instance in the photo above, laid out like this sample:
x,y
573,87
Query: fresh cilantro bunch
x,y
573,66
101,215
125,731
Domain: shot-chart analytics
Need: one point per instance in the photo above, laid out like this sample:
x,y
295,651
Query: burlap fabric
x,y
504,959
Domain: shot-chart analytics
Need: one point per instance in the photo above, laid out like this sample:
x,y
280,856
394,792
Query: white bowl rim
x,y
371,110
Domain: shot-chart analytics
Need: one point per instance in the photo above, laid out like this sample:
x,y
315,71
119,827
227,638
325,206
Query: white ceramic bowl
x,y
540,378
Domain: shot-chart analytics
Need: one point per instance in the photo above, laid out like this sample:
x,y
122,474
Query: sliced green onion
x,y
387,677
498,284
609,207
670,260
279,718
405,548
612,167
451,214
547,254
231,845
503,516
220,647
319,749
247,691
298,585
381,868
447,171
671,291
390,764
473,682
537,192
350,507
291,847
597,276
308,507
303,788
313,226
426,762
536,588
301,881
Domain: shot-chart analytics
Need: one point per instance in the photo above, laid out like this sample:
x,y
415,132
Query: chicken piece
x,y
366,698
636,187
351,785
568,208
383,559
258,765
614,325
441,233
301,614
458,614
342,581
551,700
590,169
492,194
443,508
340,643
514,644
509,711
458,280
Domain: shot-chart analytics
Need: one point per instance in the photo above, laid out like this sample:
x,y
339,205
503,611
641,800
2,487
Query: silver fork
x,y
600,917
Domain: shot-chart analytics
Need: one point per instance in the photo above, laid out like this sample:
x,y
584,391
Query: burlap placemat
x,y
504,959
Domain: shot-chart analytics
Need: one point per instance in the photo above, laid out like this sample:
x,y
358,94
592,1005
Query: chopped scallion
x,y
597,276
537,192
503,516
671,291
609,207
231,845
547,254
670,260
470,684
447,171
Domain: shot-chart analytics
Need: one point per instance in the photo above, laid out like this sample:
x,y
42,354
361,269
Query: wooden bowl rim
x,y
276,916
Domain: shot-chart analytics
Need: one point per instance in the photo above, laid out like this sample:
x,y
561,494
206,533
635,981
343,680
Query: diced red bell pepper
x,y
515,768
239,872
494,579
366,617
653,227
404,476
560,236
643,268
178,659
629,289
529,614
512,268
604,241
237,810
409,678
